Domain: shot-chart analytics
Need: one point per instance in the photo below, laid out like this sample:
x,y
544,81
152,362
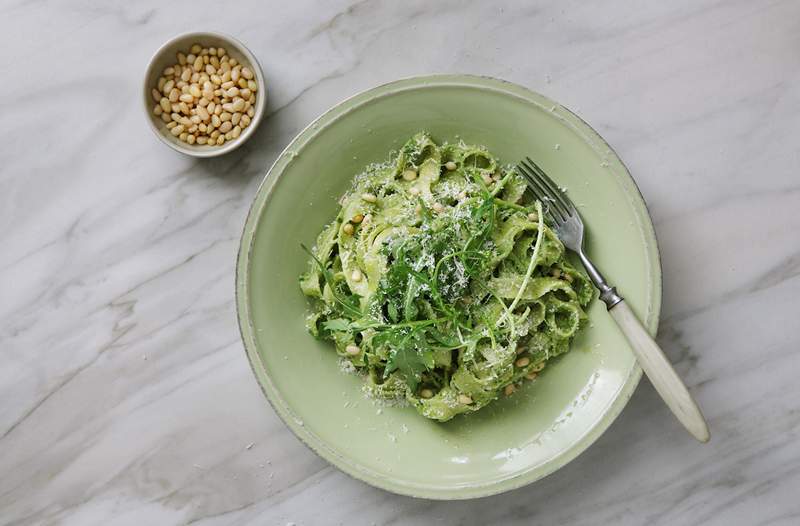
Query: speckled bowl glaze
x,y
515,440
165,56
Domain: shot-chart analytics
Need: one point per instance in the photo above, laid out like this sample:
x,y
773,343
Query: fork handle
x,y
660,372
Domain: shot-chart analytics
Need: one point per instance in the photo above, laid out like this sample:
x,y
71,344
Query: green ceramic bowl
x,y
515,440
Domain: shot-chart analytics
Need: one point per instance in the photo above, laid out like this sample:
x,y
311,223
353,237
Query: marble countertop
x,y
125,395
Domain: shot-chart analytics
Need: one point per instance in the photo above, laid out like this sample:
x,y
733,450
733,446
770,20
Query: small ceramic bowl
x,y
166,56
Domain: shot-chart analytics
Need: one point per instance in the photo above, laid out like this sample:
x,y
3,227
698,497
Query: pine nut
x,y
165,105
450,165
226,127
356,275
348,229
509,389
522,362
369,198
409,175
464,399
246,73
174,94
426,393
352,350
177,130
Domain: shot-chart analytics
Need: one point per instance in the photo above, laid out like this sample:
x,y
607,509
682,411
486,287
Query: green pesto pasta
x,y
440,282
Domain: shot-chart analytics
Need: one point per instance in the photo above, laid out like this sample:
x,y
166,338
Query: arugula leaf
x,y
409,355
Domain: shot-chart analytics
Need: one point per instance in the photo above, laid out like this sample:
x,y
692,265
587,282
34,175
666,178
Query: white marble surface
x,y
125,396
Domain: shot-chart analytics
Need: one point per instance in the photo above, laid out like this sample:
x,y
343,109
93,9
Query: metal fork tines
x,y
566,222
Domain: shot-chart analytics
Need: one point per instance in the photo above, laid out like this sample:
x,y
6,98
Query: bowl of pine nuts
x,y
204,94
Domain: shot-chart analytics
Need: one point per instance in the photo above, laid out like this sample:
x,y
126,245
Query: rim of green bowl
x,y
317,445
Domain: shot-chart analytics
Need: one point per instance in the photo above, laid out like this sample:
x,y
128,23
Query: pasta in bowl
x,y
439,281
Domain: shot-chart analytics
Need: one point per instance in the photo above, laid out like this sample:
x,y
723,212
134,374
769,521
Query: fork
x,y
568,225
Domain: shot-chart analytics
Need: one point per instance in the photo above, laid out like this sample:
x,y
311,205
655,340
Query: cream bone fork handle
x,y
569,228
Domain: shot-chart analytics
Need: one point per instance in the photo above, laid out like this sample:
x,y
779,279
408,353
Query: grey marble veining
x,y
125,397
